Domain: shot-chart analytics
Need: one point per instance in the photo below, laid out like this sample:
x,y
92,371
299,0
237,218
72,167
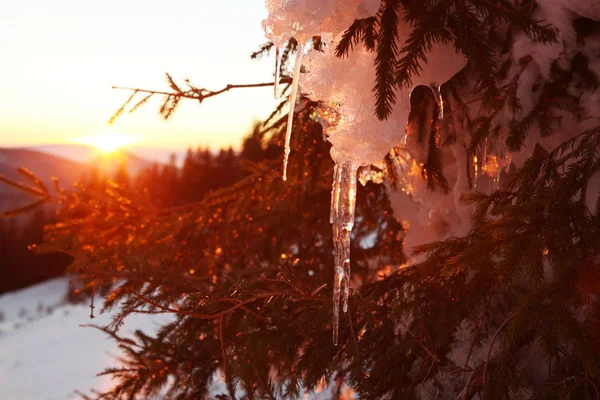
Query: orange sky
x,y
59,60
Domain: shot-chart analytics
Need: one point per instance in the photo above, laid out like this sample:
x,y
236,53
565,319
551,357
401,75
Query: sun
x,y
108,142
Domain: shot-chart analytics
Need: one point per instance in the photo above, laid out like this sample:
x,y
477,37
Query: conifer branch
x,y
172,98
360,30
29,189
489,353
265,48
385,60
239,305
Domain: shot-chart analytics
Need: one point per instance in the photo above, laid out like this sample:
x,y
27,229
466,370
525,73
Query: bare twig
x,y
433,356
241,304
223,354
92,303
286,282
487,358
195,93
591,382
354,338
248,310
470,388
428,371
317,290
173,97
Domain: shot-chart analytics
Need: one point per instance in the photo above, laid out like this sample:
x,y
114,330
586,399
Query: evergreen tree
x,y
20,265
148,181
252,147
508,310
95,180
122,175
191,179
169,183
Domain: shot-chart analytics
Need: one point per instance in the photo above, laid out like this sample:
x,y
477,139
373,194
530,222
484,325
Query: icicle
x,y
344,205
295,81
335,193
337,285
437,94
278,55
475,172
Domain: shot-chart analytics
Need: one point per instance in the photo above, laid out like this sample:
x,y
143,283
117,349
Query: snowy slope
x,y
46,355
44,352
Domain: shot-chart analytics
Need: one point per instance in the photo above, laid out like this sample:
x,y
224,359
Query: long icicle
x,y
348,208
292,100
337,270
335,193
344,204
278,55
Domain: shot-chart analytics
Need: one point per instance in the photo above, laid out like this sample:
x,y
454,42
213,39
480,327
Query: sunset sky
x,y
60,58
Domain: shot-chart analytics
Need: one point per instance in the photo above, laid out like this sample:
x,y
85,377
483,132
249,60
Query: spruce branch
x,y
265,48
39,190
419,43
361,30
385,61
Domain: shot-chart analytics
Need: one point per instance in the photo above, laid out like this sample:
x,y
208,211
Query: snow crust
x,y
303,19
345,85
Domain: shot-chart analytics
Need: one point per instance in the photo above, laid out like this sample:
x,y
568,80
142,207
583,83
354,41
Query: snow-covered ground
x,y
45,353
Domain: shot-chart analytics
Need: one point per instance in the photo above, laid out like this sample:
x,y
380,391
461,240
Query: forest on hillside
x,y
164,186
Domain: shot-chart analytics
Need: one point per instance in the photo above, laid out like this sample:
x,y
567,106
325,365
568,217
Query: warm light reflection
x,y
107,142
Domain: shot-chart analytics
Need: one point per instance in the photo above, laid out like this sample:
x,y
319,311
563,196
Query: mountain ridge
x,y
46,166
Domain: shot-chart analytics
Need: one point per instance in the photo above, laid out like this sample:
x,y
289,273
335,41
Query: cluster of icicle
x,y
344,87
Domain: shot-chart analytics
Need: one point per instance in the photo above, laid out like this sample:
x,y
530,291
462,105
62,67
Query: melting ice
x,y
292,100
278,55
358,137
343,205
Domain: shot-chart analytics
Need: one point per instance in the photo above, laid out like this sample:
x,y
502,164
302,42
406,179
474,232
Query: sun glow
x,y
108,142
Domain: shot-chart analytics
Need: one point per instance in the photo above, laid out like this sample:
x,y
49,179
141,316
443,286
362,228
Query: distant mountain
x,y
85,154
80,153
45,166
